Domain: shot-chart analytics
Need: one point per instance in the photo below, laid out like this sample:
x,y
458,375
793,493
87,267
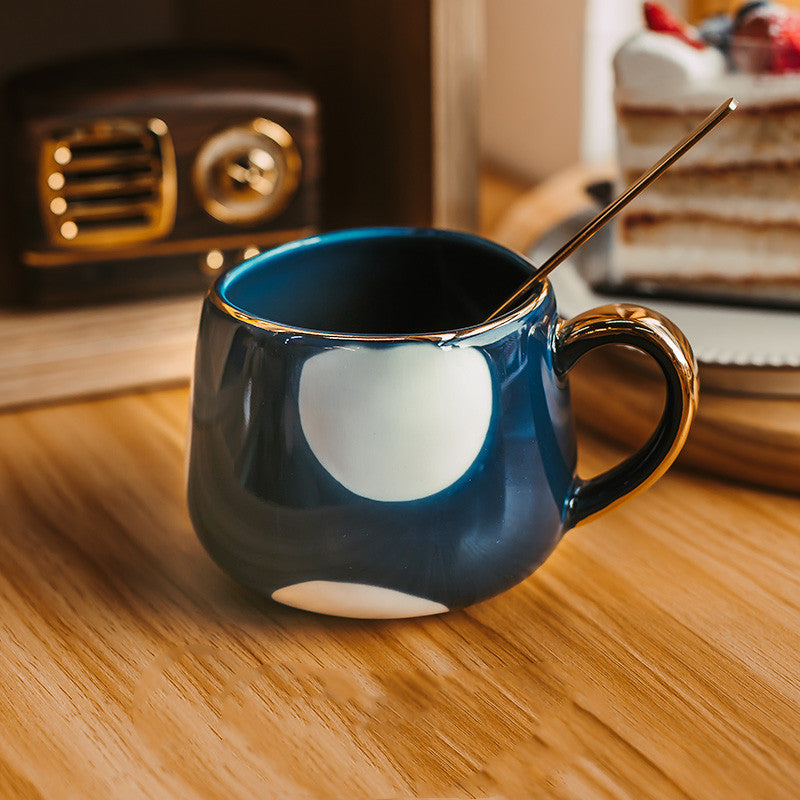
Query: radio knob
x,y
247,173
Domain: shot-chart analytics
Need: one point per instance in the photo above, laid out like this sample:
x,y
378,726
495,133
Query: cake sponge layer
x,y
652,247
748,193
747,138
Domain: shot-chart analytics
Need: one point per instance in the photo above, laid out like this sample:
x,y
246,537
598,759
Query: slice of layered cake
x,y
724,221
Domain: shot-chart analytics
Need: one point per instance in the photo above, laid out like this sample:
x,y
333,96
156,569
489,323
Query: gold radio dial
x,y
247,173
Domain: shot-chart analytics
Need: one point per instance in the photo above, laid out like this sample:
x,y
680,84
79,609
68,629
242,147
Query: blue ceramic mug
x,y
363,445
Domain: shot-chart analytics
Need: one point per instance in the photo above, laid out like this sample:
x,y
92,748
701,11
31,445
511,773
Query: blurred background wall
x,y
548,81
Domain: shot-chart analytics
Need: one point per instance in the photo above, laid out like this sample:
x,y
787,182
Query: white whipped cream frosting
x,y
652,63
654,69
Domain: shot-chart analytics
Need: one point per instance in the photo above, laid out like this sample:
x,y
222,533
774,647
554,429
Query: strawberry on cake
x,y
724,221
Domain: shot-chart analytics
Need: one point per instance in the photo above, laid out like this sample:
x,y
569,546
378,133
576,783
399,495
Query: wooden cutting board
x,y
745,438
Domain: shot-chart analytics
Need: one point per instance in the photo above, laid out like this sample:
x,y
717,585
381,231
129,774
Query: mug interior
x,y
378,281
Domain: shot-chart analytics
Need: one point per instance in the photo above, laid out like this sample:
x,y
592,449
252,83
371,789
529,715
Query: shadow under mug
x,y
362,445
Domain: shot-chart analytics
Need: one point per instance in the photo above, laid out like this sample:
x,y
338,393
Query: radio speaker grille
x,y
108,182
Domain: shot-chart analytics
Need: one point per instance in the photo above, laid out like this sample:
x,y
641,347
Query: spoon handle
x,y
594,225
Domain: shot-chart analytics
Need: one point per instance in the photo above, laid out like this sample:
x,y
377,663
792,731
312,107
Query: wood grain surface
x,y
47,356
655,654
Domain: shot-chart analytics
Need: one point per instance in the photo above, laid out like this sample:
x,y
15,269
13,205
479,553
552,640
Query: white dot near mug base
x,y
358,600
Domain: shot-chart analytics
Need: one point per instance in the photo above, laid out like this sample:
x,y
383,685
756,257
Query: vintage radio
x,y
149,173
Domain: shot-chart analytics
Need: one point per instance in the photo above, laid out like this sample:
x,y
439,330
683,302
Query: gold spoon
x,y
594,225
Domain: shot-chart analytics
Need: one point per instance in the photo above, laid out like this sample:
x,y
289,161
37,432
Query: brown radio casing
x,y
150,173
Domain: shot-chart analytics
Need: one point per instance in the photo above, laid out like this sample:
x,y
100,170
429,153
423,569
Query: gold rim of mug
x,y
442,336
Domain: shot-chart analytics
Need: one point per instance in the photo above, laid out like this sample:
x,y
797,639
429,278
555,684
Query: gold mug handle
x,y
653,334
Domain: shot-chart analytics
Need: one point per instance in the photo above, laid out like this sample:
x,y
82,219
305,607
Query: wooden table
x,y
655,655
